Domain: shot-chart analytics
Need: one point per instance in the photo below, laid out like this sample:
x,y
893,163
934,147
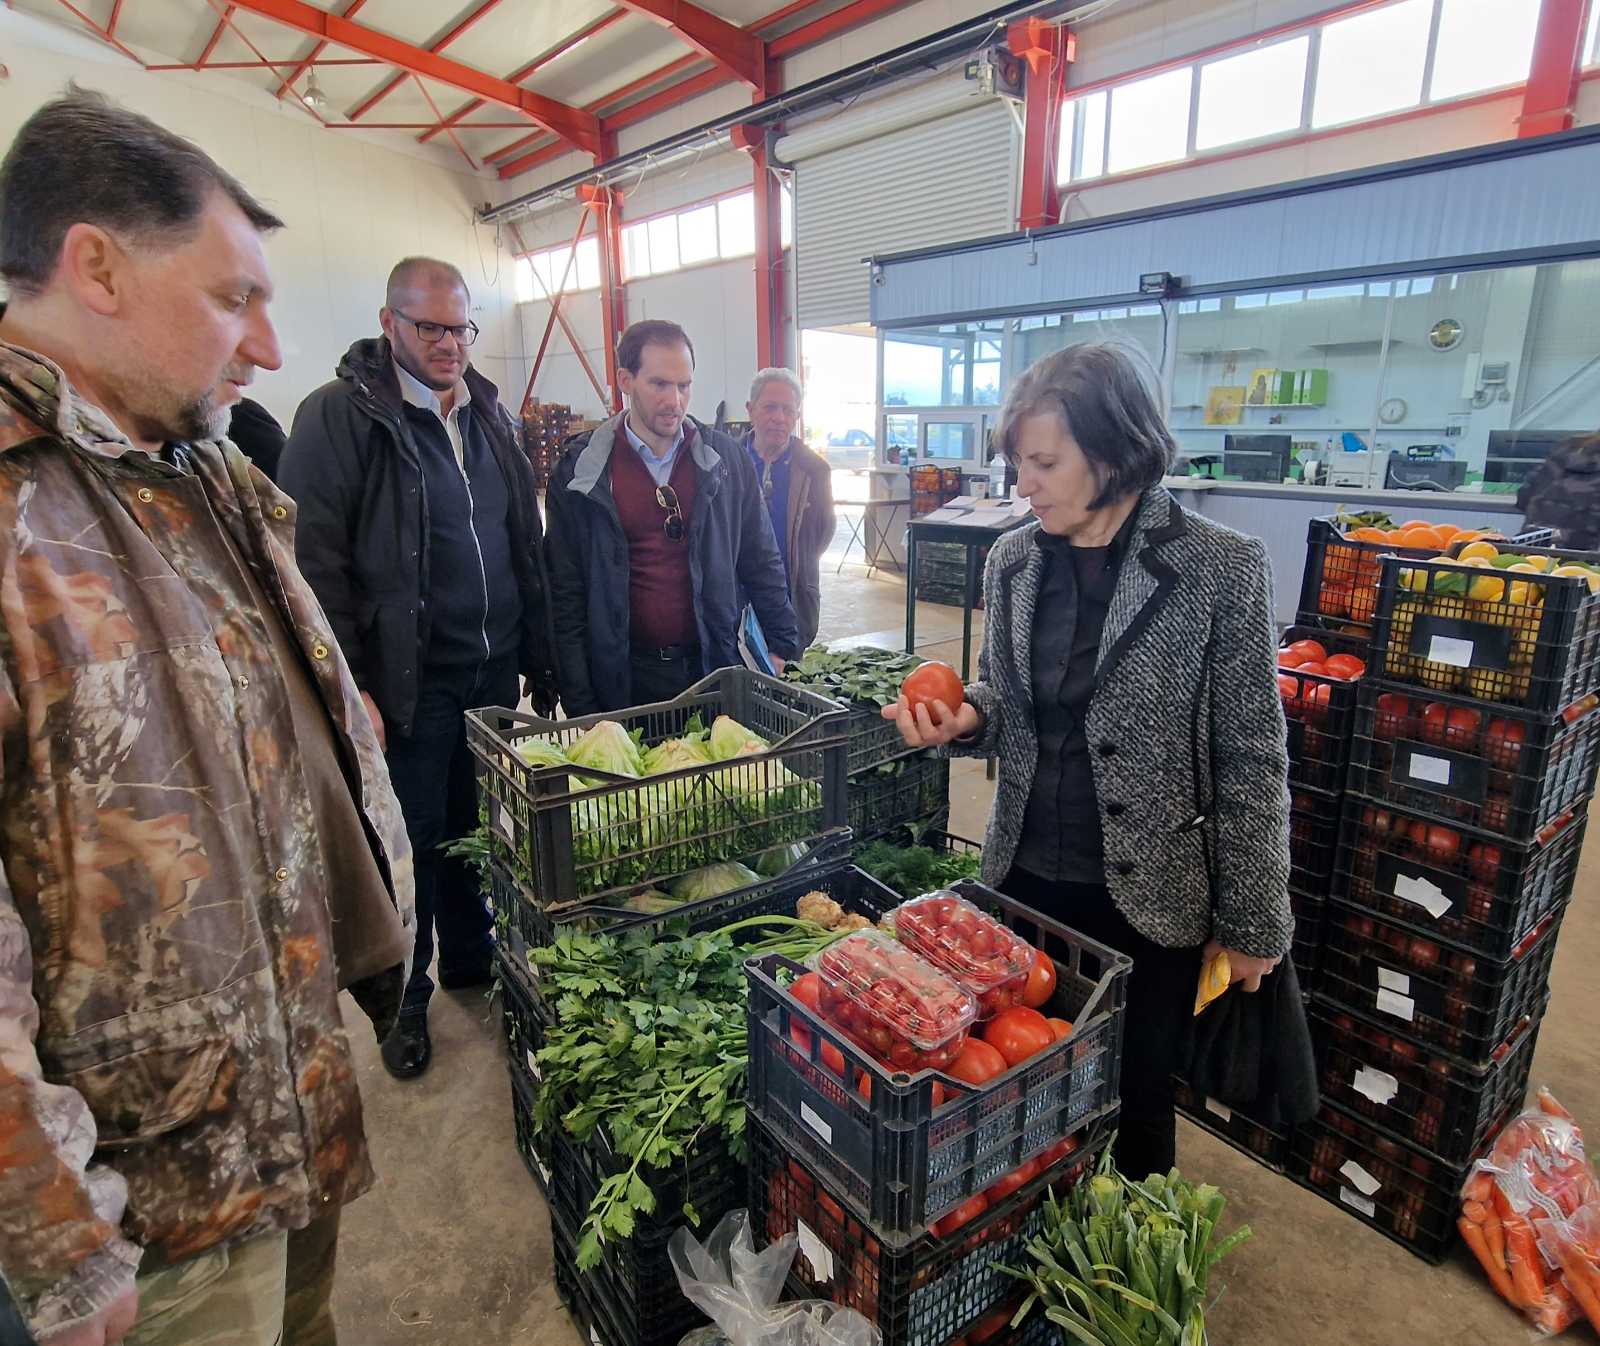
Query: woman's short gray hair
x,y
774,375
1105,396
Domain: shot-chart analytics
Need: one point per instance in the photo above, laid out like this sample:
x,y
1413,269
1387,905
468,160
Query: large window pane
x,y
1085,126
522,279
1255,94
1593,47
1372,63
664,244
539,264
786,226
1150,121
587,272
635,251
736,224
1482,44
697,235
561,278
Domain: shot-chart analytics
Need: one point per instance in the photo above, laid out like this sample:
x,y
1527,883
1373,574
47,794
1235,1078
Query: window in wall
x,y
736,225
1083,139
1372,63
1257,93
522,280
1150,121
1593,44
697,235
635,251
664,244
587,271
1482,44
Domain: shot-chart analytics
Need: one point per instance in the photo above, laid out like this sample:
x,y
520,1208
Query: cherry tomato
x,y
933,681
1041,980
1018,1034
978,1063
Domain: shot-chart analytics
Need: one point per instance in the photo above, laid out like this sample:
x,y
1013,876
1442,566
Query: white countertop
x,y
1414,501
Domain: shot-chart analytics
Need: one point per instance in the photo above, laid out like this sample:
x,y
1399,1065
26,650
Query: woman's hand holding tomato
x,y
932,708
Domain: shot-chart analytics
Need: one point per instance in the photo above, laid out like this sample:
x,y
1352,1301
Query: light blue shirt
x,y
418,394
660,469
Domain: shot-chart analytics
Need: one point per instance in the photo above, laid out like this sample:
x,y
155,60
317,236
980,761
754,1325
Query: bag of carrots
x,y
1530,1212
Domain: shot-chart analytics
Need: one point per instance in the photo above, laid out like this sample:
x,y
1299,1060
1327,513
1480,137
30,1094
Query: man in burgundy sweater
x,y
656,526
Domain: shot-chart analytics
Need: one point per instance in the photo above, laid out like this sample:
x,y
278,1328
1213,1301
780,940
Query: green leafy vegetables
x,y
914,870
865,675
1124,1263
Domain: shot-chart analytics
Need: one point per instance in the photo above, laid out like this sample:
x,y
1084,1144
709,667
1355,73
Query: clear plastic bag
x,y
738,1288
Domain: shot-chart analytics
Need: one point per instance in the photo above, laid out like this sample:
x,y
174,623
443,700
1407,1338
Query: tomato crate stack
x,y
904,1180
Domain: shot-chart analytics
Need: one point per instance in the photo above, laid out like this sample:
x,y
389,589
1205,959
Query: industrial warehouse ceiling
x,y
509,84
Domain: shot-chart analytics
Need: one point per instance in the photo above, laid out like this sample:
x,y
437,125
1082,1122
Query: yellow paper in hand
x,y
1215,978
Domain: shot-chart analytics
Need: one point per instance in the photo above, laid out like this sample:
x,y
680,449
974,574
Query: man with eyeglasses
x,y
798,489
657,527
420,533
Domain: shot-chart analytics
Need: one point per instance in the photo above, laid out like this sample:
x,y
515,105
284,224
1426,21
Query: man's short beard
x,y
200,419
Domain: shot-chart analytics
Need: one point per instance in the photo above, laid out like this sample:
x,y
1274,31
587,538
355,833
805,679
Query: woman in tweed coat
x,y
1128,686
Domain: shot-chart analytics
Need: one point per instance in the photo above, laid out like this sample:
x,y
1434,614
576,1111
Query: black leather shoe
x,y
408,1050
466,979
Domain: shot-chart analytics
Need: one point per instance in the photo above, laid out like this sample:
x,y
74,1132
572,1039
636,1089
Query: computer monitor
x,y
1257,457
1515,455
1424,474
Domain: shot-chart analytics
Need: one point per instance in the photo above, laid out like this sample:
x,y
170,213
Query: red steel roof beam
x,y
100,32
265,65
580,129
737,50
1551,93
216,37
437,45
350,11
111,23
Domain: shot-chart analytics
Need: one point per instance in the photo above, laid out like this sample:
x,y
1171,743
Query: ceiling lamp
x,y
315,99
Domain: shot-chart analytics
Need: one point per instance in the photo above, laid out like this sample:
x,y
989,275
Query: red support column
x,y
1552,89
606,203
1048,49
768,265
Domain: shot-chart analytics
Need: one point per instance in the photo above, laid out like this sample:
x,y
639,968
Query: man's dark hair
x,y
83,160
651,332
1106,403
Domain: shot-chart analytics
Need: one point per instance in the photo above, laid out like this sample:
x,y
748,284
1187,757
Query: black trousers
x,y
656,679
1160,1004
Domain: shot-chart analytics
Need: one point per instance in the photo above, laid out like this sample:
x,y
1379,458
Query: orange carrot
x,y
1479,1187
1475,1211
1581,1282
1522,1260
1549,1106
1473,1236
1558,1312
1495,1236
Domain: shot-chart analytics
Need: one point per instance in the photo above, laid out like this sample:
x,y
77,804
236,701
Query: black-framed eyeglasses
x,y
672,525
433,332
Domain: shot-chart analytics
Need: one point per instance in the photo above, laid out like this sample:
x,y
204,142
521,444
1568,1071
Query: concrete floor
x,y
453,1246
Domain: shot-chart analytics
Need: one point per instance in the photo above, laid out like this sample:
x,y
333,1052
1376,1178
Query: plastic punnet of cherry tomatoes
x,y
976,950
933,681
901,1009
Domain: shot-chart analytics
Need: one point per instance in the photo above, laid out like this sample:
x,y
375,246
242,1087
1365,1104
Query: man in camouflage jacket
x,y
199,843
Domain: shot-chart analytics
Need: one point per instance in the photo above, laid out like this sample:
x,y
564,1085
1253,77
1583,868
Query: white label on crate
x,y
1358,1202
1394,981
1450,650
1426,894
1401,1006
1221,1109
1435,769
1359,1178
816,1123
815,1251
502,820
533,1066
544,1171
594,1338
1378,1085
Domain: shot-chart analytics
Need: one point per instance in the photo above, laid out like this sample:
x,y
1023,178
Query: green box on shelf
x,y
1311,387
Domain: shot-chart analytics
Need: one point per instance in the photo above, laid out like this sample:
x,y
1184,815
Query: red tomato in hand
x,y
1041,980
1018,1034
978,1063
933,681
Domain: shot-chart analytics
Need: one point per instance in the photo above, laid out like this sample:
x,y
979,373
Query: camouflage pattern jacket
x,y
173,1070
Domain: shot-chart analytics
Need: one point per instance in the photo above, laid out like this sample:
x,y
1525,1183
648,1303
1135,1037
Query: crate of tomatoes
x,y
913,1081
943,1286
1477,892
1313,839
1505,771
1343,554
1310,910
1519,628
1416,1092
1445,997
1317,675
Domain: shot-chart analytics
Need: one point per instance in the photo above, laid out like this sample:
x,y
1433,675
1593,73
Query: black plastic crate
x,y
1340,583
1529,642
569,843
1268,1144
1313,839
524,1014
895,1157
533,1148
873,740
1506,772
1400,975
925,1293
1402,1191
1474,890
1309,914
1415,1092
904,790
1318,709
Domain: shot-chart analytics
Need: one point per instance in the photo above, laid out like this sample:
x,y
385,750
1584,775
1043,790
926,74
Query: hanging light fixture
x,y
315,99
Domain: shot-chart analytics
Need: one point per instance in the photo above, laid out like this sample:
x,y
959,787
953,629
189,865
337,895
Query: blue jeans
x,y
434,781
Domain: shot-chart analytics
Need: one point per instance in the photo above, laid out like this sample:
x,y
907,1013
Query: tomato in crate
x,y
1317,673
892,1003
971,947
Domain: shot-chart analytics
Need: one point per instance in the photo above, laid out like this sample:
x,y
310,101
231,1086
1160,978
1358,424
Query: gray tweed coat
x,y
1185,729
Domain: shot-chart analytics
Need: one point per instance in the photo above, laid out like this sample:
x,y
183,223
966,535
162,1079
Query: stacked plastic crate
x,y
544,426
892,788
906,1195
1473,762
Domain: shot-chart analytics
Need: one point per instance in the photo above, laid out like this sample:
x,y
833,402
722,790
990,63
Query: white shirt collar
x,y
418,394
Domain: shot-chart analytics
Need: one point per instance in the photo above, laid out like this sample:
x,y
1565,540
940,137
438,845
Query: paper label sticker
x,y
1450,650
1358,1202
533,1066
816,1123
1378,1085
502,820
1426,894
816,1252
1434,769
594,1338
1359,1178
1220,1108
1394,981
1402,1007
544,1171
